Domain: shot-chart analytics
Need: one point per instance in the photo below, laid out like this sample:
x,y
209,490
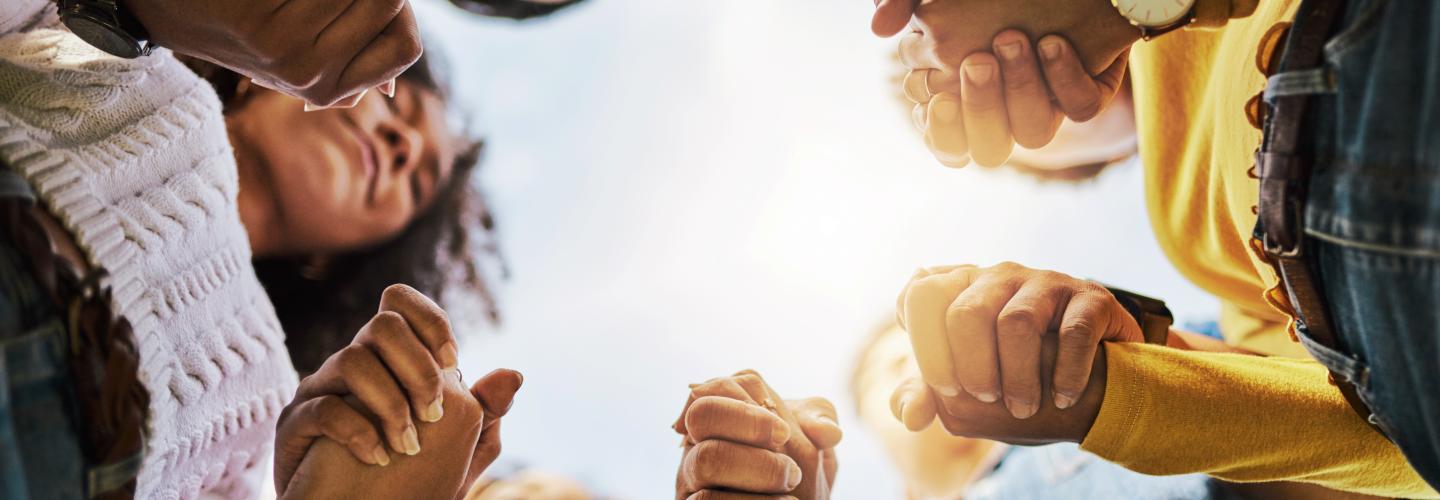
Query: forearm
x,y
1240,418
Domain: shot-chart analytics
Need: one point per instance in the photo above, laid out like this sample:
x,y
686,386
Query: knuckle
x,y
489,448
1017,322
462,405
350,357
1052,277
928,286
747,371
749,380
398,292
388,324
966,308
706,461
411,50
1078,332
1008,267
1085,108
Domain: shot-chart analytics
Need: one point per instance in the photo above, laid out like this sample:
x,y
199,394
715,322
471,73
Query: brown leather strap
x,y
103,361
1284,186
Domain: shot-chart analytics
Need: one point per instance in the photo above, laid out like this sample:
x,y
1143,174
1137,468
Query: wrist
x,y
1088,407
1102,36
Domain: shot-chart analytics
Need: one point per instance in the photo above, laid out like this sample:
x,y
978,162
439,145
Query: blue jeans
x,y
40,454
1374,215
1065,472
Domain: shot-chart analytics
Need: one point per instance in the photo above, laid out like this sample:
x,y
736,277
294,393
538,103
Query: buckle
x,y
1281,204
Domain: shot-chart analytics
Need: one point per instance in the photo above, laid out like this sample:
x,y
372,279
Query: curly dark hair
x,y
513,9
438,253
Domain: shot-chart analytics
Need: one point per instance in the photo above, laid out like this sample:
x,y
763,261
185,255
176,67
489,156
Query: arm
x,y
1240,418
1154,409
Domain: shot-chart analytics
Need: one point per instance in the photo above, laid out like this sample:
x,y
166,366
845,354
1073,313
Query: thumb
x,y
817,420
913,405
496,392
891,16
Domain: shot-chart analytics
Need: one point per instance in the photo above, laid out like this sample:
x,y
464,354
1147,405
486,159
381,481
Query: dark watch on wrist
x,y
107,26
1152,315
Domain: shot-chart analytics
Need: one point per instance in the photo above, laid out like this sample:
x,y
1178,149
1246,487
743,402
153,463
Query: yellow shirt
x,y
1240,418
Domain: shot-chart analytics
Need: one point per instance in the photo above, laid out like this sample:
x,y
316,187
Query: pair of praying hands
x,y
985,76
389,415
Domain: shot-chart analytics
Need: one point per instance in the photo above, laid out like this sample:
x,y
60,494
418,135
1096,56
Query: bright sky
x,y
689,188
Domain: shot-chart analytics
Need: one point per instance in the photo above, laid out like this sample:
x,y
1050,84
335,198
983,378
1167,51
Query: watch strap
x,y
1151,313
1148,33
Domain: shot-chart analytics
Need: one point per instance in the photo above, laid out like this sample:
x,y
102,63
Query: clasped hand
x,y
367,398
971,104
1007,352
742,442
327,52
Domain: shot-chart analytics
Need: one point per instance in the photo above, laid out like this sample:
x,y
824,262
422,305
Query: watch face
x,y
1154,13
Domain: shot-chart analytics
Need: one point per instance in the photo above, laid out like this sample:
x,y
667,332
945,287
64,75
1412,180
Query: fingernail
x,y
979,73
1063,401
453,375
388,88
311,107
946,391
265,84
1009,50
1020,409
411,441
380,457
917,115
792,476
693,386
449,356
1050,48
825,419
435,410
984,397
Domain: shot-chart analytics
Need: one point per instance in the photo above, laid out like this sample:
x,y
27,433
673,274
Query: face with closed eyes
x,y
337,180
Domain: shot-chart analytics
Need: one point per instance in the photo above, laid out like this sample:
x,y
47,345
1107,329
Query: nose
x,y
402,144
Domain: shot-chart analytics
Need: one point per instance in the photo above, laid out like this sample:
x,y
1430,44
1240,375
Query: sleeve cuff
x,y
1126,404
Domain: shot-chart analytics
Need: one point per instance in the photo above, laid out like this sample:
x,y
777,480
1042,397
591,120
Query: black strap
x,y
1284,186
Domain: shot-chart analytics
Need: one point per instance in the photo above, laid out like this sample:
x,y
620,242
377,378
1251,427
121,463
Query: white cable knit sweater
x,y
132,157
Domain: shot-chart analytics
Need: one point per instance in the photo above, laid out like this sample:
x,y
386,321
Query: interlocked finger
x,y
917,85
727,419
721,464
730,495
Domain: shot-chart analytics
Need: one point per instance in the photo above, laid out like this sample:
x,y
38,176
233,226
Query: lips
x,y
368,160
